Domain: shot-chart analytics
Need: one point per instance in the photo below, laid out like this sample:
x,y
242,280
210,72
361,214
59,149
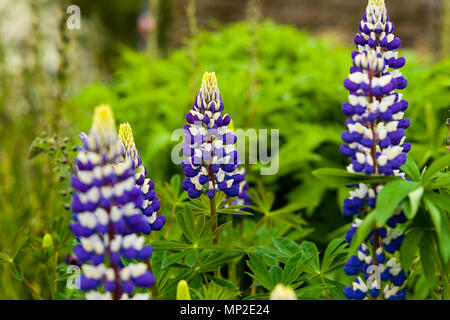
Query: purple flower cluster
x,y
210,146
107,215
242,199
375,143
151,204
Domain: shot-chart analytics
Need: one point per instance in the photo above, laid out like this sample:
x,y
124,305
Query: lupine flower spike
x,y
107,216
210,146
375,143
151,204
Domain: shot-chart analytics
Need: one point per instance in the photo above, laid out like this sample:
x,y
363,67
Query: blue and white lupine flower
x,y
375,143
151,204
242,199
210,146
107,215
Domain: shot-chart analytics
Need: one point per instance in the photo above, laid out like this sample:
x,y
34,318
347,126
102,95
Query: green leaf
x,y
175,183
414,198
235,209
390,197
286,246
191,258
441,180
222,282
310,252
442,225
293,268
339,177
441,199
411,169
427,259
367,224
216,260
170,245
334,249
409,247
261,274
313,288
4,258
337,289
17,272
60,296
275,273
186,223
174,258
436,167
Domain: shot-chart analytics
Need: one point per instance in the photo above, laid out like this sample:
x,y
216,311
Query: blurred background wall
x,y
418,21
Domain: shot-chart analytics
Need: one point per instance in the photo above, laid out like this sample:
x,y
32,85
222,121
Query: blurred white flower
x,y
282,292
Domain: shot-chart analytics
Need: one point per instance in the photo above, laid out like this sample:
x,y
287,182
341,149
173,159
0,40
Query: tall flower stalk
x,y
151,204
107,216
210,147
375,143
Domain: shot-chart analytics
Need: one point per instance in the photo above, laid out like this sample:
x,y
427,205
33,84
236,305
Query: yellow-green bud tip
x,y
126,134
183,291
103,119
47,241
376,3
209,81
282,292
231,126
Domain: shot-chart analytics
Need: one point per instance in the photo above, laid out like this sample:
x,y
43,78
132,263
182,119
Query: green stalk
x,y
212,203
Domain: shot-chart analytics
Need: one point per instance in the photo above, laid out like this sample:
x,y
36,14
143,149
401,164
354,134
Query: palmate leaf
x,y
335,255
260,272
186,223
311,254
339,177
262,199
171,192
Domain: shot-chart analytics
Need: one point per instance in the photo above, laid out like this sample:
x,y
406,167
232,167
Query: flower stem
x,y
212,203
154,287
253,230
172,213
